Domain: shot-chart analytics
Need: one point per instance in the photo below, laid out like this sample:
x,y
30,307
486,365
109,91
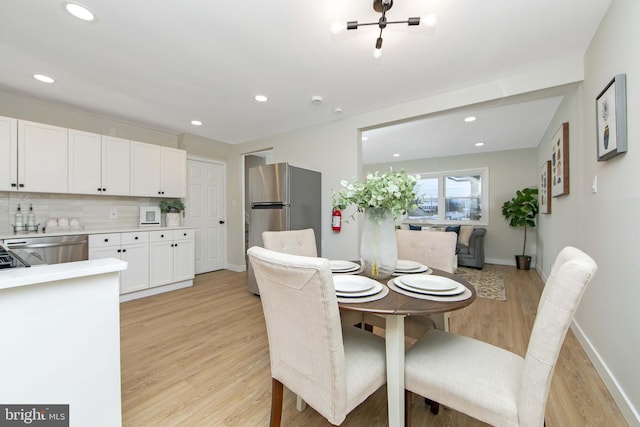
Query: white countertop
x,y
16,277
90,231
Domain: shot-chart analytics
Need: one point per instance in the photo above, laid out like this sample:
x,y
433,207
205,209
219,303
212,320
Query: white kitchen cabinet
x,y
171,256
158,171
9,148
42,158
130,247
98,164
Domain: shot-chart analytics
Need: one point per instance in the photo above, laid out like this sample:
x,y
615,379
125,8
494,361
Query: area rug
x,y
488,281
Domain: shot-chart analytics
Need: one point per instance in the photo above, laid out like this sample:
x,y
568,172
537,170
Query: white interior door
x,y
205,211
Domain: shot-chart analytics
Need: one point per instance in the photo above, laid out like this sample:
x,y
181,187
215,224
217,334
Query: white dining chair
x,y
332,368
492,384
436,249
294,242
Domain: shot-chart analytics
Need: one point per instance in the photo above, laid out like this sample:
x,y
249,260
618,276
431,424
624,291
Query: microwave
x,y
150,215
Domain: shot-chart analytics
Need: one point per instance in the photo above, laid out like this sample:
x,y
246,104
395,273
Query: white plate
x,y
406,265
427,282
342,266
348,284
451,292
376,289
421,269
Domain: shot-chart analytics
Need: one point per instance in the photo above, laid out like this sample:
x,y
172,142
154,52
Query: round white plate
x,y
342,266
377,287
347,284
406,265
423,268
451,292
427,282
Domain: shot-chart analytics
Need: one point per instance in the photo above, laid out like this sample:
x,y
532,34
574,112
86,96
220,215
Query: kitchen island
x,y
60,331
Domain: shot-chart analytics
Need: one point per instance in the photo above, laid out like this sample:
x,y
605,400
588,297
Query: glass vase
x,y
378,249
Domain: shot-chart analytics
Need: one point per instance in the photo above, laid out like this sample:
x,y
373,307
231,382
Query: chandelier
x,y
382,6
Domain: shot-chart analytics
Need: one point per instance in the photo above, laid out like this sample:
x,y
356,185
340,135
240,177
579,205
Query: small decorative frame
x,y
545,189
560,162
611,118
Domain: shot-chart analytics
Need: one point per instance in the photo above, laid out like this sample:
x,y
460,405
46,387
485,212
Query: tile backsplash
x,y
94,212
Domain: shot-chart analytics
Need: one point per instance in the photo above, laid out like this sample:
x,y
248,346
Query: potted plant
x,y
521,211
171,209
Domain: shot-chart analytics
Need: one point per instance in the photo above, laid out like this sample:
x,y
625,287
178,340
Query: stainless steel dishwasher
x,y
51,249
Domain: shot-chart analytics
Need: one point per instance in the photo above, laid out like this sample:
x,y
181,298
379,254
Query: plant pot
x,y
173,219
523,262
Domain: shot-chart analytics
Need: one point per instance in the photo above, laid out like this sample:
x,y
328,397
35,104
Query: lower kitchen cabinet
x,y
171,256
130,247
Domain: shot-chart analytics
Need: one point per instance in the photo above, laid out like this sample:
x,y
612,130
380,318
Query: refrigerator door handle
x,y
269,206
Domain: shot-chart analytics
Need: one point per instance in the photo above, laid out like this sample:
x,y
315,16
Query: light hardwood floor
x,y
199,357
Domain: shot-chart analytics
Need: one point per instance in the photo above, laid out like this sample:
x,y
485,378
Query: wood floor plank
x,y
199,357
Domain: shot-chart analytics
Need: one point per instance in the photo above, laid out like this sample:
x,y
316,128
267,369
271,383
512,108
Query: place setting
x,y
429,287
344,267
410,267
350,289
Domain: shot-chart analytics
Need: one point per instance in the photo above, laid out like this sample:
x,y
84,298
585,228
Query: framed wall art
x,y
560,162
611,118
544,195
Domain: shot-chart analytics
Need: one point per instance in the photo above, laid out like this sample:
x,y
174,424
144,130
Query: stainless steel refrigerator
x,y
282,197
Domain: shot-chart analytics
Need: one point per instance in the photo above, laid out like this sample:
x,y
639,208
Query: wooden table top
x,y
396,303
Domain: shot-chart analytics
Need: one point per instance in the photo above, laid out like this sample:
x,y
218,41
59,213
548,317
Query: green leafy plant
x,y
171,205
392,190
521,211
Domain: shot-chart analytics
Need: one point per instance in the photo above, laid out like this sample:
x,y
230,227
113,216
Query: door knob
x,y
221,222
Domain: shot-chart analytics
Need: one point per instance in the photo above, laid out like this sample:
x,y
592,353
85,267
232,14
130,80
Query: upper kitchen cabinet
x,y
8,146
158,171
98,164
42,158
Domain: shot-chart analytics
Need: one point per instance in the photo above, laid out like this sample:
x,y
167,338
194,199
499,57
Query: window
x,y
452,197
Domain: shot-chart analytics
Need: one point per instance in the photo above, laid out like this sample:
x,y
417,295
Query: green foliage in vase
x,y
171,205
392,190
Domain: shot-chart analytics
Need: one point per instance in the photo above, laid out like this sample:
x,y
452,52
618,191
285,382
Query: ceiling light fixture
x,y
196,122
479,144
382,6
79,11
396,155
470,119
260,98
365,138
43,78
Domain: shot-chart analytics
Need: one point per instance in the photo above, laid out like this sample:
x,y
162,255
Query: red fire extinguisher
x,y
336,220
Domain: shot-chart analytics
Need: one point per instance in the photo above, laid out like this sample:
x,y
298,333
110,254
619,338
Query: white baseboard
x,y
622,400
511,261
236,268
156,290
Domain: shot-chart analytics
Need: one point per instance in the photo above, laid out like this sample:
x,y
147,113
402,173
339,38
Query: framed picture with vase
x,y
611,118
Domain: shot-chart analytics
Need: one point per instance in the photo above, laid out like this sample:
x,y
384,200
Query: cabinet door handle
x,y
162,236
104,189
99,189
119,250
21,185
106,240
221,221
135,238
124,250
13,184
175,245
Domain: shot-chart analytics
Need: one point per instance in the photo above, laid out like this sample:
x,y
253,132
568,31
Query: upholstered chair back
x,y
303,327
435,249
570,274
294,242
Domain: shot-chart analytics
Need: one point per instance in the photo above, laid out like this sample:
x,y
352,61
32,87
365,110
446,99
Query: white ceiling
x,y
163,63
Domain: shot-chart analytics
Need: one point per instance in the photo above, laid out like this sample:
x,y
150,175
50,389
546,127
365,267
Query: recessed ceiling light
x,y
196,122
43,78
396,155
79,11
470,119
365,138
479,144
260,98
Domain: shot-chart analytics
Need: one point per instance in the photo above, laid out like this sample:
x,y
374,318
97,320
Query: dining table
x,y
395,307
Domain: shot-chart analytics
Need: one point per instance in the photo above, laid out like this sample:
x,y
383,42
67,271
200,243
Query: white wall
x,y
604,224
508,171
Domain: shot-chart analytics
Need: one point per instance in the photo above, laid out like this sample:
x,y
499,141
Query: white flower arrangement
x,y
394,191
